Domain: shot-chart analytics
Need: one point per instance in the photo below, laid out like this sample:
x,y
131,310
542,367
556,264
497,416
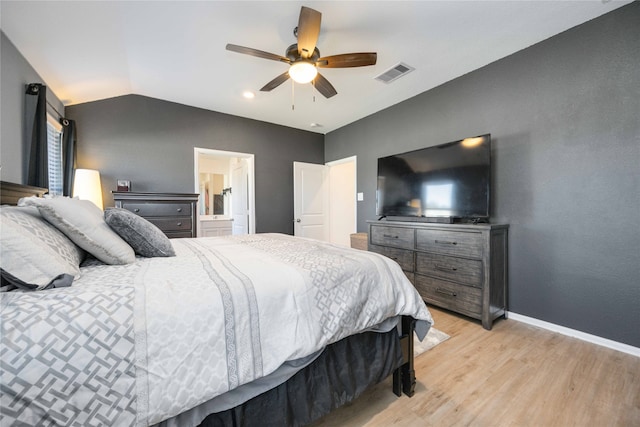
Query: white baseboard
x,y
594,339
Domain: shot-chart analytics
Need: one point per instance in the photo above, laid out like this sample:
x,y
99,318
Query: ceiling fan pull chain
x,y
313,90
293,106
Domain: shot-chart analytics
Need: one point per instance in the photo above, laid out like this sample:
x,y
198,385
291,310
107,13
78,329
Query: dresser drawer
x,y
458,243
403,257
398,237
178,234
158,209
452,296
465,271
171,224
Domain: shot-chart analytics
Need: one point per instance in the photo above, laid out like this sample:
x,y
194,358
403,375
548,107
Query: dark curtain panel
x,y
69,154
36,132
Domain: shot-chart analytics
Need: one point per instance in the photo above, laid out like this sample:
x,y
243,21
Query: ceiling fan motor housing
x,y
294,56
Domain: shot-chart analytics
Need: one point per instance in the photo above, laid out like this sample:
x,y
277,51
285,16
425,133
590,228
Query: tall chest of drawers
x,y
460,267
173,213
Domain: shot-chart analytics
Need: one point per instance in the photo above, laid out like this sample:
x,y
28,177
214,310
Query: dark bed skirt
x,y
339,375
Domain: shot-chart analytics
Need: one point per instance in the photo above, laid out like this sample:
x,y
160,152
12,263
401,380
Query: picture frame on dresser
x,y
459,267
123,185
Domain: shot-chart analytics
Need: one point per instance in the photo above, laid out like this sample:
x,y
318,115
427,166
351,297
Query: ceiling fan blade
x,y
257,53
308,31
324,87
276,82
347,60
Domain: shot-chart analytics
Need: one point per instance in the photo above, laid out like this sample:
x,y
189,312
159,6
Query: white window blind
x,y
54,148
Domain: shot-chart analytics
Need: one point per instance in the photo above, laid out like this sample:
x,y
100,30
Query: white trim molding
x,y
594,339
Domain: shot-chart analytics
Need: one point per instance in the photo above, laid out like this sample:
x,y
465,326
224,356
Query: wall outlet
x,y
360,197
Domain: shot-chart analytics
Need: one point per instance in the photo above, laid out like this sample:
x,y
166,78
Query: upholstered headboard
x,y
10,192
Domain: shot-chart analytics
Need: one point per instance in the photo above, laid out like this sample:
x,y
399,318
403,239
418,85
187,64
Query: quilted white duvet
x,y
140,343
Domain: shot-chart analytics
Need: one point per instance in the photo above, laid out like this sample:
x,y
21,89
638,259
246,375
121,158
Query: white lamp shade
x,y
86,186
302,72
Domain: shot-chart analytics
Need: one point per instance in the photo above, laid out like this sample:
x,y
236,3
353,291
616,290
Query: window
x,y
54,148
439,199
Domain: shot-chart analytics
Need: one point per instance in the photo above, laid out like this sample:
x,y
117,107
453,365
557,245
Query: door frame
x,y
354,160
250,184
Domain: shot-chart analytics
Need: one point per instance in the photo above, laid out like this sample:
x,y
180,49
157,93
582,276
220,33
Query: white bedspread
x,y
137,344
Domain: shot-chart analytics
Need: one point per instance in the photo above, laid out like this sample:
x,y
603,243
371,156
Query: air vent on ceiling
x,y
395,73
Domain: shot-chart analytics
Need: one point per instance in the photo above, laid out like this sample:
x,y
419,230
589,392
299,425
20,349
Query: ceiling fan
x,y
304,57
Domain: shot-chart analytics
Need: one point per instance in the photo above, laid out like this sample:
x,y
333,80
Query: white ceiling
x,y
175,50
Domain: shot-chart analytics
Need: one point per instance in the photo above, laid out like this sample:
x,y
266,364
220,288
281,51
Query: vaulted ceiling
x,y
175,50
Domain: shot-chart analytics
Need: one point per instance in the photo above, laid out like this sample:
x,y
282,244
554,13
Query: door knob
x,y
298,220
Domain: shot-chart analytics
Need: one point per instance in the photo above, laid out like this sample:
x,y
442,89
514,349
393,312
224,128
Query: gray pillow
x,y
34,253
83,223
145,238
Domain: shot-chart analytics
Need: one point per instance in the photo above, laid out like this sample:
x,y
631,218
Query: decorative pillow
x,y
83,223
34,253
145,238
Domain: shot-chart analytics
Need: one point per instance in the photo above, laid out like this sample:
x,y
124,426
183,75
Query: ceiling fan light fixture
x,y
303,72
304,57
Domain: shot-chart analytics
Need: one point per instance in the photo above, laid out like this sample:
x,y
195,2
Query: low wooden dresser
x,y
173,213
460,267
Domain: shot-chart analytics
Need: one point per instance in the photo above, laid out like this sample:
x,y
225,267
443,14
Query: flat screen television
x,y
442,183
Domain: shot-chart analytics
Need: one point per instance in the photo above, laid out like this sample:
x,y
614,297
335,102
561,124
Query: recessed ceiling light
x,y
316,125
248,94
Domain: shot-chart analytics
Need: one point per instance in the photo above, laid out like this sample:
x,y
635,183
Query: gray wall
x,y
565,121
15,74
150,142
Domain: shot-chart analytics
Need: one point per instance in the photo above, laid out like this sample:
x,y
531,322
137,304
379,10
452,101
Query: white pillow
x,y
33,250
83,223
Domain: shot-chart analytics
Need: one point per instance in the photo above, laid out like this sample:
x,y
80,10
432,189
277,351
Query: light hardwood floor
x,y
513,375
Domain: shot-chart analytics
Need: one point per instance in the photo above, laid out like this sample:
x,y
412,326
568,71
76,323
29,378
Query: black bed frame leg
x,y
404,378
397,382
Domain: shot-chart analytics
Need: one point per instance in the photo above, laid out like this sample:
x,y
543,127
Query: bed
x,y
264,329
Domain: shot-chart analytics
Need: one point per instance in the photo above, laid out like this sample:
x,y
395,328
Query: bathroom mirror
x,y
211,186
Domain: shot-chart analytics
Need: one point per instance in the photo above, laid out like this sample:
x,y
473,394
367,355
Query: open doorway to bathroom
x,y
224,181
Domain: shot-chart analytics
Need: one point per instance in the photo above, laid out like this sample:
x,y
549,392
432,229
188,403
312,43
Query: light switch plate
x,y
360,197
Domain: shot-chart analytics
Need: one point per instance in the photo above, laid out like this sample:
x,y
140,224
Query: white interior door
x,y
239,197
311,201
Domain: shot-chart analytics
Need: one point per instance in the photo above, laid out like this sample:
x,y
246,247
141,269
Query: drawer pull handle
x,y
136,210
444,242
390,236
446,292
441,268
179,209
179,224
